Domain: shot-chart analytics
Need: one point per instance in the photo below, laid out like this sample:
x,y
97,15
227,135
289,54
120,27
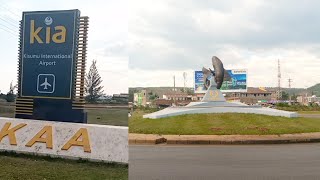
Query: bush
x,y
282,105
10,97
311,107
147,109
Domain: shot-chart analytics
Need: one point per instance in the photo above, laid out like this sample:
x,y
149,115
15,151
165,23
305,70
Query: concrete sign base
x,y
66,140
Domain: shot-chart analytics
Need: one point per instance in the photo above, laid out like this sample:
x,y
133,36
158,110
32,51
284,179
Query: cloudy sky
x,y
107,42
169,37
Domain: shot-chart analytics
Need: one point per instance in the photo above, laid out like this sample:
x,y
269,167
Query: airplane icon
x,y
45,84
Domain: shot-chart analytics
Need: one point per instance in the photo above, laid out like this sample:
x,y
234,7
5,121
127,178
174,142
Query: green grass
x,y
15,166
116,117
106,116
286,107
6,111
222,124
309,112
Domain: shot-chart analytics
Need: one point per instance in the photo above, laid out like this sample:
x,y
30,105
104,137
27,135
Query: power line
x,y
12,30
15,21
8,31
9,23
6,22
2,4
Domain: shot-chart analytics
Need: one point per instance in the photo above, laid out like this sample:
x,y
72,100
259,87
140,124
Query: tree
x,y
93,86
10,97
131,94
153,97
285,96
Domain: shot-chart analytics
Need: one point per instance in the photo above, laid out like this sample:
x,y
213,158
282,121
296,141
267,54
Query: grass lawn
x,y
222,124
14,166
116,117
308,112
107,116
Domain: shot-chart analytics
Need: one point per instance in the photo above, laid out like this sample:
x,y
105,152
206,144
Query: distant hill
x,y
315,90
294,91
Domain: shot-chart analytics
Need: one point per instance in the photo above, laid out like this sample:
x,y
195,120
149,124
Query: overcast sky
x,y
169,37
107,42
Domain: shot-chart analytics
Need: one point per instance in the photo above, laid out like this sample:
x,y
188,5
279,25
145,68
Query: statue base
x,y
218,107
214,102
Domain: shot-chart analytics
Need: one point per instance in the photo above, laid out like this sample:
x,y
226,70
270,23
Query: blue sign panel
x,y
48,53
238,82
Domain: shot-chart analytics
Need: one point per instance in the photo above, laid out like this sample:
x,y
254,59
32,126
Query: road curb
x,y
151,139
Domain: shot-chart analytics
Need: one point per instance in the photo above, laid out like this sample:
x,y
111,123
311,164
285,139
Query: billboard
x,y
238,82
48,53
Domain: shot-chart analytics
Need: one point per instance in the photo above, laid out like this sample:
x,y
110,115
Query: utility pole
x,y
279,81
289,80
184,81
174,83
174,89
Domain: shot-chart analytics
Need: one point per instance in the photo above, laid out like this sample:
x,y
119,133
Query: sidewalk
x,y
224,139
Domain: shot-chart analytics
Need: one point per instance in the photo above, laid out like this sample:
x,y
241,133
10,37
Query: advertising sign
x,y
48,53
238,82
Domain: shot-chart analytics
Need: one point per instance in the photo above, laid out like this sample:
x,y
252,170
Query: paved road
x,y
225,162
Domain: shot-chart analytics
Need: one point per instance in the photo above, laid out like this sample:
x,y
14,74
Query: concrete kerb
x,y
223,139
146,139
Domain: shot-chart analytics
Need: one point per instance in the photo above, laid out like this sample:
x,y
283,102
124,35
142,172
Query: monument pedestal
x,y
218,108
214,102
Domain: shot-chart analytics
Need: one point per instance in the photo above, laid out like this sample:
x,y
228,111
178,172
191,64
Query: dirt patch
x,y
216,129
263,129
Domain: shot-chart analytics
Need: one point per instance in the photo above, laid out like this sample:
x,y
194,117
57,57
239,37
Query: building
x,y
120,98
167,96
306,100
140,98
121,95
179,96
252,96
174,98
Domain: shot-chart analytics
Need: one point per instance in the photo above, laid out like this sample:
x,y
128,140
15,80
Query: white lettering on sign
x,y
47,56
239,71
45,63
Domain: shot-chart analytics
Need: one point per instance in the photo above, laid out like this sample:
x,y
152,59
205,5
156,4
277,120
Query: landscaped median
x,y
228,128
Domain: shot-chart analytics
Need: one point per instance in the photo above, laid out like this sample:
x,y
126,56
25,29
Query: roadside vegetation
x,y
113,116
18,166
297,107
221,124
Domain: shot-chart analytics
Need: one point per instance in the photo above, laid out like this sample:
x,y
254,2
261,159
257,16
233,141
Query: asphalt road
x,y
225,162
